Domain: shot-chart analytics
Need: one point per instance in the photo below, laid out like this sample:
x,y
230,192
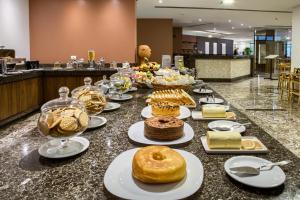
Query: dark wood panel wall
x,y
21,96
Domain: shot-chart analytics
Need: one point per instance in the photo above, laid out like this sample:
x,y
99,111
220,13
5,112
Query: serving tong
x,y
256,170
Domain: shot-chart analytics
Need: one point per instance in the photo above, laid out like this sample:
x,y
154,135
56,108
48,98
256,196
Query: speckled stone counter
x,y
26,175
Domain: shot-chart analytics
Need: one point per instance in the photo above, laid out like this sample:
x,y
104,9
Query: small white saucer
x,y
124,97
226,123
266,179
96,121
210,100
203,91
184,112
76,145
111,106
133,89
136,133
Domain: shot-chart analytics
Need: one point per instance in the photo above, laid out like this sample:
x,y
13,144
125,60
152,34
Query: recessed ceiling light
x,y
229,20
250,26
227,2
210,36
200,20
242,24
160,1
232,27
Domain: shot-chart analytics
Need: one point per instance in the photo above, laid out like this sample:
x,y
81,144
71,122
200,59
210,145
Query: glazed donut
x,y
158,164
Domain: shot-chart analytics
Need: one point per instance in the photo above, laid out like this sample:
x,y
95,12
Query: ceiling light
x,y
160,1
232,28
210,36
242,24
200,20
229,20
250,26
227,2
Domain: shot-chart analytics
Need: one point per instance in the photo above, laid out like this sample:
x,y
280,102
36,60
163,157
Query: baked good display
x,y
63,122
91,96
94,101
165,109
163,128
224,140
173,82
158,164
214,111
176,96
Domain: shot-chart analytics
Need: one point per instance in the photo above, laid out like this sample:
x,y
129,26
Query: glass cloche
x,y
92,97
120,83
63,117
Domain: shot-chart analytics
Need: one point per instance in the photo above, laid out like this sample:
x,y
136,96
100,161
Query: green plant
x,y
248,51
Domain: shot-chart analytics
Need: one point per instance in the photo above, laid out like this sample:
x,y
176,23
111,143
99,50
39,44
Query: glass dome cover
x,y
63,117
91,96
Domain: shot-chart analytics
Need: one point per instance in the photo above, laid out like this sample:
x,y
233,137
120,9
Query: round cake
x,y
158,164
165,109
163,128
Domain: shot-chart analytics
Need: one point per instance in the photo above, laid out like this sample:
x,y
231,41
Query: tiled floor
x,y
259,93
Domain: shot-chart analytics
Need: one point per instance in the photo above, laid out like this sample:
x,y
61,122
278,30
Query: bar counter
x,y
26,92
26,175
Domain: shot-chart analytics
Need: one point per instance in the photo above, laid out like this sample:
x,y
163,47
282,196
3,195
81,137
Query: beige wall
x,y
158,34
61,28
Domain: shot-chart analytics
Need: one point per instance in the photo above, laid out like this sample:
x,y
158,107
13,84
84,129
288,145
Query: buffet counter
x,y
26,92
221,68
27,175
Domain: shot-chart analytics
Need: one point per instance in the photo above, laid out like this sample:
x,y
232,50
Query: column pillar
x,y
296,38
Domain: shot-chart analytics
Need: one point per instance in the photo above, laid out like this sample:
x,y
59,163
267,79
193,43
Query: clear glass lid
x,y
63,117
91,96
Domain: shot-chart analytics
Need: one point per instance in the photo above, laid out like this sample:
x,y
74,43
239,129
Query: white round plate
x,y
77,145
216,105
266,179
184,112
204,91
111,106
124,97
96,121
210,100
133,89
136,134
225,123
118,180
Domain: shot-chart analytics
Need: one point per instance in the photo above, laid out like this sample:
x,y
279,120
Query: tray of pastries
x,y
176,96
213,113
231,142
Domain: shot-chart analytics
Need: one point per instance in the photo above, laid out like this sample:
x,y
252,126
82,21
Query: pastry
x,y
223,140
94,101
165,109
177,96
250,144
213,111
158,164
163,128
63,122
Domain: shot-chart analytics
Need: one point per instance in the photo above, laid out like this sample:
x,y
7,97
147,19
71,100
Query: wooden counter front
x,y
25,93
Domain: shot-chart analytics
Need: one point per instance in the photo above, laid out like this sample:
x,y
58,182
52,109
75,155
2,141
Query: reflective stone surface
x,y
26,175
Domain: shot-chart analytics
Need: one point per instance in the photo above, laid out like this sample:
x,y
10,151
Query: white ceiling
x,y
218,19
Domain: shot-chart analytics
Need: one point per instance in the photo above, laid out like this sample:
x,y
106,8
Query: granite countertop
x,y
54,72
26,175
